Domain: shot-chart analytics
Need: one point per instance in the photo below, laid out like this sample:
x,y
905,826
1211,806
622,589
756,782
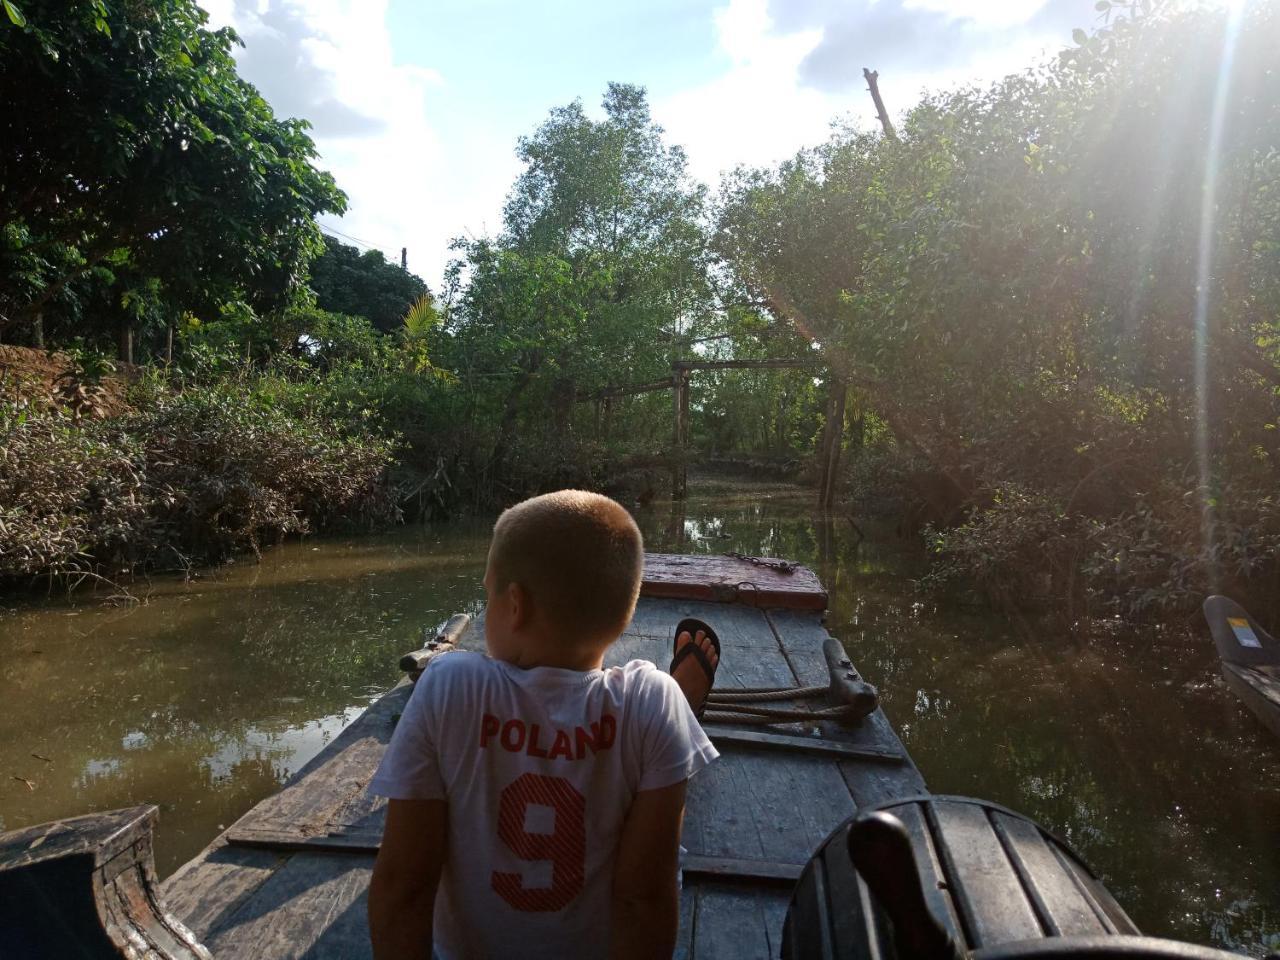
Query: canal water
x,y
211,693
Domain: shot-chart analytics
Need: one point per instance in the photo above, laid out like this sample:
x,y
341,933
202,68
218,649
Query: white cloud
x,y
755,113
331,62
767,105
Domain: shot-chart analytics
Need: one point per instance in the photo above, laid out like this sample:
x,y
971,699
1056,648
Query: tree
x,y
127,132
364,284
598,274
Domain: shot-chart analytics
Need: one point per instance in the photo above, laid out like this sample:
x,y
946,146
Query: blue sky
x,y
417,106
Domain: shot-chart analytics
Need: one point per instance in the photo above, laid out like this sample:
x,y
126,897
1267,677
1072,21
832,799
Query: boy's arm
x,y
402,893
645,906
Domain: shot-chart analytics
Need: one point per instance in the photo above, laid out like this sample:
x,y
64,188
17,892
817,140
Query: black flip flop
x,y
692,625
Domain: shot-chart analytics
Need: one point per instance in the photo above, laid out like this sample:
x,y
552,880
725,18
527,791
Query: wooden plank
x,y
1114,919
211,887
873,784
801,633
314,803
758,806
750,656
696,867
817,746
992,904
731,923
808,924
932,879
1059,902
684,937
729,580
314,906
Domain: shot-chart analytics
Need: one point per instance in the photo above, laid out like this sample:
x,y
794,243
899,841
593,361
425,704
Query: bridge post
x,y
680,399
832,441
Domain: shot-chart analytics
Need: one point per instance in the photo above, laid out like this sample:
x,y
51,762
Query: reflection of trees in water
x,y
1124,747
1107,744
202,699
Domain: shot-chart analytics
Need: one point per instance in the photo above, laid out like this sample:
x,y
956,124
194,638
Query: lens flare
x,y
1204,277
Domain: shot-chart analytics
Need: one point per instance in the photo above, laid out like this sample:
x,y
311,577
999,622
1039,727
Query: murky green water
x,y
211,694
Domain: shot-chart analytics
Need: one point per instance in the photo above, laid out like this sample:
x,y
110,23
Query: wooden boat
x,y
1250,658
289,878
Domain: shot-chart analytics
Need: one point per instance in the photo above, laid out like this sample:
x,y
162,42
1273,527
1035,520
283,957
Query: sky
x,y
416,105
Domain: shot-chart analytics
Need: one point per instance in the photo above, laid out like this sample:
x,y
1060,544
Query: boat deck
x,y
289,879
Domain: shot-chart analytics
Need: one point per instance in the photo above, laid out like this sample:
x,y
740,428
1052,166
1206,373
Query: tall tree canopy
x,y
600,269
132,149
364,285
1015,282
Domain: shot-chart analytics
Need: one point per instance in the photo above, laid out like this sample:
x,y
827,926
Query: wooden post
x,y
87,888
126,342
606,420
679,473
873,77
168,345
832,441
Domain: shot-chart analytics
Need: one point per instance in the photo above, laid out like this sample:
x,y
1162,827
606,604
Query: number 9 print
x,y
565,846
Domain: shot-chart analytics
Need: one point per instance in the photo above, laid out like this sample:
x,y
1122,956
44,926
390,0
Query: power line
x,y
356,240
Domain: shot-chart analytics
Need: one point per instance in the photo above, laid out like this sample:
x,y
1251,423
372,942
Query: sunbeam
x,y
1204,278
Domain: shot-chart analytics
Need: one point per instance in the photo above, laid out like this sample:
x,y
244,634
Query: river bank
x,y
208,696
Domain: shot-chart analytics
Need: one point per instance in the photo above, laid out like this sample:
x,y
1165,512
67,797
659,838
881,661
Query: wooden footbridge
x,y
829,446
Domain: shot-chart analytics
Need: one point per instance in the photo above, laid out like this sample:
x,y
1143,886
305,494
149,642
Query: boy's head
x,y
564,573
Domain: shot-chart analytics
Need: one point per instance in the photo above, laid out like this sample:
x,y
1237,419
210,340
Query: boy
x,y
540,795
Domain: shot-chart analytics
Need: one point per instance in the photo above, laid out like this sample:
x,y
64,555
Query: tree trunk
x,y
37,331
168,345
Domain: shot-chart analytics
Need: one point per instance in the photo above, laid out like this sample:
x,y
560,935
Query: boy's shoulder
x,y
459,664
644,681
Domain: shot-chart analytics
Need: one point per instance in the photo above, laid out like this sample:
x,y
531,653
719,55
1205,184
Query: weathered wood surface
x,y
288,879
86,887
723,579
988,876
1258,691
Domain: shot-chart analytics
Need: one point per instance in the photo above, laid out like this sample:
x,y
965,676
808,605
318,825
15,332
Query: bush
x,y
1022,548
71,498
195,478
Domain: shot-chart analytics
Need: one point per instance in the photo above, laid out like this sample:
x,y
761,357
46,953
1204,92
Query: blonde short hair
x,y
579,555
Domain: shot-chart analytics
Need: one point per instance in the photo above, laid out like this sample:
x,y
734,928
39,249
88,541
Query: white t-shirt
x,y
539,768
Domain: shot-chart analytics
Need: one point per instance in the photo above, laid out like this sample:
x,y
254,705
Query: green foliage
x,y
131,144
364,285
193,478
1010,284
595,281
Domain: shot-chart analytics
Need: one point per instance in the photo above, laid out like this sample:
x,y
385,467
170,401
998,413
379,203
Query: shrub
x,y
71,497
196,477
1022,548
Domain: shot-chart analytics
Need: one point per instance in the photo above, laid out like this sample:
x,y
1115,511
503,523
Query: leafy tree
x,y
599,272
126,128
364,284
1013,282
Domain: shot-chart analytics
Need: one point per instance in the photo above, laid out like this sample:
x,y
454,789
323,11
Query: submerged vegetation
x,y
1054,301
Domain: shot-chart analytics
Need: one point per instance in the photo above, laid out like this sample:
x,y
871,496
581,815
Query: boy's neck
x,y
581,657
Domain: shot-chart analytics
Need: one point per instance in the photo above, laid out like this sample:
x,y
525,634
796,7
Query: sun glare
x,y
1204,268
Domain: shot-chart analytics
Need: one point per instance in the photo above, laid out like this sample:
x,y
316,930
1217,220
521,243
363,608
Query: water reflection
x,y
1129,747
214,692
208,697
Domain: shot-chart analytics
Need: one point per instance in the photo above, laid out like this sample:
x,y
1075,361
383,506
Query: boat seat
x,y
987,876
